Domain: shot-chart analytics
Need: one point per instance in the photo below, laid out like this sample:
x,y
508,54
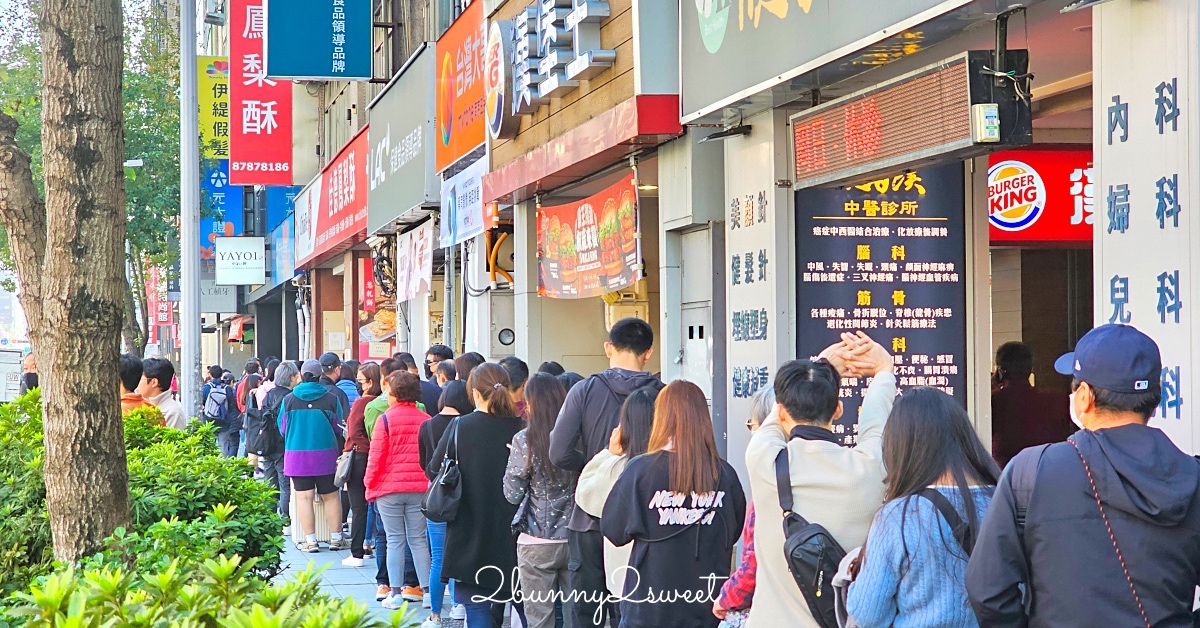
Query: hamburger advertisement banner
x,y
590,247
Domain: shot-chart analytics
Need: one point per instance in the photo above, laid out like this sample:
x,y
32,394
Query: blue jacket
x,y
308,421
350,389
1066,557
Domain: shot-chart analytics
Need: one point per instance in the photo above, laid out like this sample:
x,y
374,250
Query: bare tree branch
x,y
24,216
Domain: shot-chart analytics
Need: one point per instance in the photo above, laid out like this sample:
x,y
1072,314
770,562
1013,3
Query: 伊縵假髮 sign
x,y
590,247
212,94
260,108
888,258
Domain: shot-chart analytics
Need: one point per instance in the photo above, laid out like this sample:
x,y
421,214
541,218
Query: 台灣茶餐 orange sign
x,y
461,125
590,247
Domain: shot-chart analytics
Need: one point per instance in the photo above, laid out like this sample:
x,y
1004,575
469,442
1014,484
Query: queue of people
x,y
603,500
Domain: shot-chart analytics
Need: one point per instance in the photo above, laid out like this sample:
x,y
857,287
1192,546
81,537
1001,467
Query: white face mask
x,y
1075,417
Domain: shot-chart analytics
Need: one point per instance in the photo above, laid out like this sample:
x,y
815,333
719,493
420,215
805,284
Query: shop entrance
x,y
1040,214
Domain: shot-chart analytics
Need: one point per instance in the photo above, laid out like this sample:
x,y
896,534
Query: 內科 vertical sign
x,y
260,108
1145,264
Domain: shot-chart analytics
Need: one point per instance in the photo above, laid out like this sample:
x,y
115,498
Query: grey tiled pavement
x,y
352,582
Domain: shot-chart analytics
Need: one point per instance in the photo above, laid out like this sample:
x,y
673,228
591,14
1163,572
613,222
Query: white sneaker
x,y
459,612
432,622
426,602
352,561
394,603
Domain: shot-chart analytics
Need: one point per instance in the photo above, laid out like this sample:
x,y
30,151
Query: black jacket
x,y
428,439
262,424
343,400
430,394
481,533
1067,560
586,421
690,552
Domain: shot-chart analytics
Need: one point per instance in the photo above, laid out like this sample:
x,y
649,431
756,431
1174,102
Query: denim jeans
x,y
437,549
479,614
227,442
273,473
405,526
370,533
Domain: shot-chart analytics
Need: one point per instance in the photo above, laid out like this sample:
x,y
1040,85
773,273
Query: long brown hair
x,y
545,396
682,423
370,372
491,382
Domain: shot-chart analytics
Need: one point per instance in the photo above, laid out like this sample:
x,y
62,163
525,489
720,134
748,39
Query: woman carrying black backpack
x,y
262,432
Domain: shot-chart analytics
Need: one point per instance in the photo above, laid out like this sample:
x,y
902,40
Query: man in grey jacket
x,y
584,426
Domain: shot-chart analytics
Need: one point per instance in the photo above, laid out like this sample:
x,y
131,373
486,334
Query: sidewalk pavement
x,y
353,582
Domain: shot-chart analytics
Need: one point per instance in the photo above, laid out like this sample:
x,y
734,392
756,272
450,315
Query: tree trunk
x,y
71,268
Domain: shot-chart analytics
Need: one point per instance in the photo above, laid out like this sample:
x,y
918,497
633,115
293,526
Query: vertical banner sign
x,y
414,263
590,247
332,210
1145,234
213,94
1038,196
260,136
283,252
152,306
462,205
324,40
888,258
461,126
221,211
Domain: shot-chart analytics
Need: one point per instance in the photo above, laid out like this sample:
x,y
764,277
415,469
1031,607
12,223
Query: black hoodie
x,y
585,423
1149,491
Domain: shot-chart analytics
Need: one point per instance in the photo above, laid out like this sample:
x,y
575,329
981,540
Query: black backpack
x,y
262,428
812,554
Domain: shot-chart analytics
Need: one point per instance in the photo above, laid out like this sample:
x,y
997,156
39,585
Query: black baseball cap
x,y
329,361
1114,357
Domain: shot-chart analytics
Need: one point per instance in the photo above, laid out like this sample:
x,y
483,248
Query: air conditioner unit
x,y
214,12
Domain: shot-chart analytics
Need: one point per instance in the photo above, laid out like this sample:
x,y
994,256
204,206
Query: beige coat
x,y
836,487
595,483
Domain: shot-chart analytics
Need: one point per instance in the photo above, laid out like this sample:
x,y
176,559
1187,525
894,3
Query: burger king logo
x,y
1016,195
446,94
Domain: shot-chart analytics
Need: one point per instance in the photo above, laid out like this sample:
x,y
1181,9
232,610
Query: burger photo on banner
x,y
589,247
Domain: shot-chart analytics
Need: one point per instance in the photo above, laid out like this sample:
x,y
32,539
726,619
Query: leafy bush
x,y
185,479
220,591
185,500
26,551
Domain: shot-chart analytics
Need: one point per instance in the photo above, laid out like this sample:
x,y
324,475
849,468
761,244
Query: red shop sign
x,y
331,213
1040,196
260,134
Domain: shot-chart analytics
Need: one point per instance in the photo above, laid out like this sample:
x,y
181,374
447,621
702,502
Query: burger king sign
x,y
1040,197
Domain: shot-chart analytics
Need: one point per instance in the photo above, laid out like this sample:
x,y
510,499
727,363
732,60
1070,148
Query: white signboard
x,y
462,205
241,261
1145,229
217,299
11,367
308,203
414,262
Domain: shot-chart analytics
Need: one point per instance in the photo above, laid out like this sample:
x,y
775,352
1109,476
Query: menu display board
x,y
590,247
887,257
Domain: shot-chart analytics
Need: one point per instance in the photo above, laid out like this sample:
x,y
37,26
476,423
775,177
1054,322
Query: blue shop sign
x,y
318,39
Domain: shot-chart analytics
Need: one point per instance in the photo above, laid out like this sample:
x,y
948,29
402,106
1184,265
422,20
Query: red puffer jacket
x,y
394,465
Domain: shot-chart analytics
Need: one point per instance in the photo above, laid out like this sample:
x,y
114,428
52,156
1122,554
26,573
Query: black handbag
x,y
440,504
812,554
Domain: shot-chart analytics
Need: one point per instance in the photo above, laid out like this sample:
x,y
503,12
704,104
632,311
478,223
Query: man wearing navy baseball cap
x,y
1104,529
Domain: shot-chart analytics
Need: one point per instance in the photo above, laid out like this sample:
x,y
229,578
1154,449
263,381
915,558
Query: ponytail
x,y
491,382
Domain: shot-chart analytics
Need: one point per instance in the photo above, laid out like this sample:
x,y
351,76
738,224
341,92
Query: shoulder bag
x,y
811,552
440,504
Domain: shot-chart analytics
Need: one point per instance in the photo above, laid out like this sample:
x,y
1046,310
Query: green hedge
x,y
221,591
186,501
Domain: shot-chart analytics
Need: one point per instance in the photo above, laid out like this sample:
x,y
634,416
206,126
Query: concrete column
x,y
527,306
1146,118
753,163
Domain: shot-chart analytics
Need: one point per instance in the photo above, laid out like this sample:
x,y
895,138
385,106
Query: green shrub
x,y
187,478
221,591
178,482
